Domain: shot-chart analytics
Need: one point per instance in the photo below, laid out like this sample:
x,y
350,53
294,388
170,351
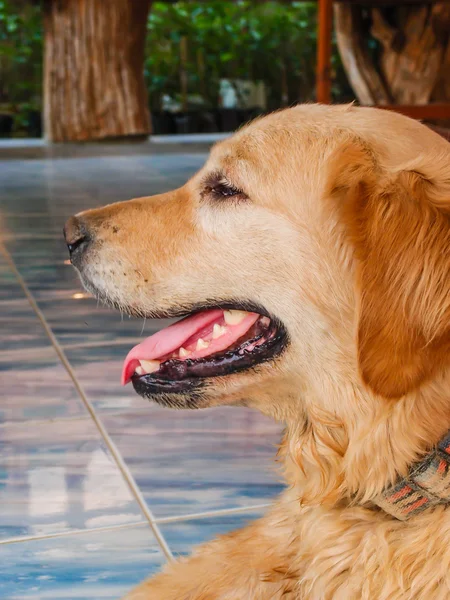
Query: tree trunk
x,y
412,64
441,92
94,69
351,40
412,51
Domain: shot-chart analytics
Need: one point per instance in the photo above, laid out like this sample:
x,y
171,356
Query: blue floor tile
x,y
31,251
33,382
20,327
58,476
61,187
184,536
91,566
10,289
35,385
46,276
193,461
11,293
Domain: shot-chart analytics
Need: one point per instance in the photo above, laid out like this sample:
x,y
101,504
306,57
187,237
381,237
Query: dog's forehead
x,y
305,133
259,150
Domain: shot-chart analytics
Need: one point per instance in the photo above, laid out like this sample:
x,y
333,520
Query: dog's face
x,y
263,251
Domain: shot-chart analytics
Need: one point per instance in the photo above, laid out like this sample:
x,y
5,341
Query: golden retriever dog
x,y
309,259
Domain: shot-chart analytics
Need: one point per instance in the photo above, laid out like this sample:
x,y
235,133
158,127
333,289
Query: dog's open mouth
x,y
210,343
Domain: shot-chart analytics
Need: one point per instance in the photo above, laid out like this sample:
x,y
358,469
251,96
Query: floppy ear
x,y
399,223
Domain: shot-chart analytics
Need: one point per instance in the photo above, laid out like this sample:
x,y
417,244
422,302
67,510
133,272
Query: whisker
x,y
143,325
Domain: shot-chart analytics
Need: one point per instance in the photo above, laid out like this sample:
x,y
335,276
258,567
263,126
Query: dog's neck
x,y
354,447
426,485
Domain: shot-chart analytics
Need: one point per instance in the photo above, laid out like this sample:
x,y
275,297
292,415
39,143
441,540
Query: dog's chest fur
x,y
360,555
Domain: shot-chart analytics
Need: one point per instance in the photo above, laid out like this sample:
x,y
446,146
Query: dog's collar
x,y
427,484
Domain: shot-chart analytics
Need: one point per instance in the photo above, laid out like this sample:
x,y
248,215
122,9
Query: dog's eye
x,y
218,187
225,190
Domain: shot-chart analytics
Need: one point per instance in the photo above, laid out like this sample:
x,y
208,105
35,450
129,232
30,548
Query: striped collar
x,y
427,484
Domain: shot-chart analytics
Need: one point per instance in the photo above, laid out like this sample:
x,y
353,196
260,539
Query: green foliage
x,y
21,39
273,42
20,53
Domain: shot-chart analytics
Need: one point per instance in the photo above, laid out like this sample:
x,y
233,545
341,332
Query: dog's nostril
x,y
75,245
76,234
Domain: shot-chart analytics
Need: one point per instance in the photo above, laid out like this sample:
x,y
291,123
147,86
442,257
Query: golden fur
x,y
346,238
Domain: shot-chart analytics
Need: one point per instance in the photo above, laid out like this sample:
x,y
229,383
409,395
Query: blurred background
x,y
106,100
93,69
202,66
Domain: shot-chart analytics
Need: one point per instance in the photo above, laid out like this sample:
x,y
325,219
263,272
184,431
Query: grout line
x,y
212,513
98,423
60,534
160,521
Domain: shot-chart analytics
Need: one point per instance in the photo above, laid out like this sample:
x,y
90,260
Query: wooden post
x,y
324,36
183,73
94,69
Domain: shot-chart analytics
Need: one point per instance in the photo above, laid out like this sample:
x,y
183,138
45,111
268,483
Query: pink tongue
x,y
173,337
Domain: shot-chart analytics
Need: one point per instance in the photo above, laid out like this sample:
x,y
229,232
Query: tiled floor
x,y
97,487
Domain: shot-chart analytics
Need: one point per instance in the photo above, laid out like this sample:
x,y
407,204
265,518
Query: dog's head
x,y
313,246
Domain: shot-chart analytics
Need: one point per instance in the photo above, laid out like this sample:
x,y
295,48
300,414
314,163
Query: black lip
x,y
185,377
147,386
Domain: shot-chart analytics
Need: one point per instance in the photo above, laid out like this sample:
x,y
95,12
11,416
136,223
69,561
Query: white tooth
x,y
201,344
265,321
234,317
139,370
218,331
150,366
184,352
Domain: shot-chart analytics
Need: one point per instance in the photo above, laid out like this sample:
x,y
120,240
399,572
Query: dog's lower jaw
x,y
178,401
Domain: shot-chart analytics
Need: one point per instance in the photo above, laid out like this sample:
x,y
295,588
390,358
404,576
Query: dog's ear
x,y
399,224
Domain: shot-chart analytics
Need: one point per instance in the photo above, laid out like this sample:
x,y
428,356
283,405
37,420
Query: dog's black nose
x,y
76,235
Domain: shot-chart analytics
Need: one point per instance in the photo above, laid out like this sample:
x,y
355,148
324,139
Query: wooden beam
x,y
424,111
324,36
375,3
442,131
361,2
